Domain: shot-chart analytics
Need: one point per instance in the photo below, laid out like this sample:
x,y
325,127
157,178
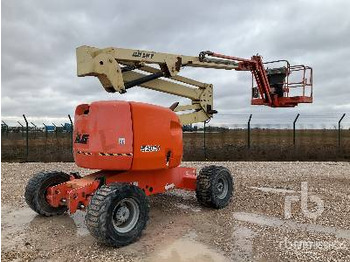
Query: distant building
x,y
67,127
50,129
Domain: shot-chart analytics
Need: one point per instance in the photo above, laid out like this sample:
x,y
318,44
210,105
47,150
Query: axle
x,y
77,192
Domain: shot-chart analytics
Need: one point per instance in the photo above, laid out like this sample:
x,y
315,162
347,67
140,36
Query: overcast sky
x,y
39,40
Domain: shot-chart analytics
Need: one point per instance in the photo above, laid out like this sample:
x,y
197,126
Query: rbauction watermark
x,y
307,245
304,198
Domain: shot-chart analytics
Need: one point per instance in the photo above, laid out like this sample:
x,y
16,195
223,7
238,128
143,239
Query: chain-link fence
x,y
28,142
232,137
260,138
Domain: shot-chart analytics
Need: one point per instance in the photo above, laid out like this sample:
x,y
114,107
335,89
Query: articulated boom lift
x,y
115,68
138,147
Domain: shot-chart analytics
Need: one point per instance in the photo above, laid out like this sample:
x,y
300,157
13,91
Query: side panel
x,y
103,135
157,137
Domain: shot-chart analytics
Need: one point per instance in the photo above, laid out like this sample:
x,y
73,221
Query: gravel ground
x,y
252,228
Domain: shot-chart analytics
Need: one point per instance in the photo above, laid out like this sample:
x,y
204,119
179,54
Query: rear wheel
x,y
214,186
35,192
117,214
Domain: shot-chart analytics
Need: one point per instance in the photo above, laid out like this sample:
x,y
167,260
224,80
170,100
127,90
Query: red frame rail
x,y
260,81
76,193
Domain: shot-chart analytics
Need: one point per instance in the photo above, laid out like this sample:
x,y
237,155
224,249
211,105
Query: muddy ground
x,y
254,227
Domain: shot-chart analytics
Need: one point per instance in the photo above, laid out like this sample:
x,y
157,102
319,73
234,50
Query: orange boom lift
x,y
137,147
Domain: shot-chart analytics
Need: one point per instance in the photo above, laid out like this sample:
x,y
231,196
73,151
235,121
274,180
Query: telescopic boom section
x,y
119,69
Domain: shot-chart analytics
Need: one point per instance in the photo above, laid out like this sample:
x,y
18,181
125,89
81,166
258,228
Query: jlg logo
x,y
81,138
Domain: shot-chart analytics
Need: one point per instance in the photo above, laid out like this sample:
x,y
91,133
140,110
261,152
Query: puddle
x,y
183,206
262,220
192,235
274,190
243,238
13,225
187,250
79,221
14,220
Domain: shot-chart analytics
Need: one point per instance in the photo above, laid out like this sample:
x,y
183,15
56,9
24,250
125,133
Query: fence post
x,y
204,143
294,122
22,127
339,129
45,130
250,118
7,128
71,132
55,129
27,137
35,129
71,123
20,124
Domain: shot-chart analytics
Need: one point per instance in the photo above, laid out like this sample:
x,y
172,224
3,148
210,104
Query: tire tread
x,y
97,213
32,192
204,186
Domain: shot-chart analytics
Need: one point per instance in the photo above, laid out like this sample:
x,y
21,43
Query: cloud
x,y
39,40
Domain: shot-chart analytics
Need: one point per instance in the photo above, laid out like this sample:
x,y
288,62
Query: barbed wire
x,y
229,120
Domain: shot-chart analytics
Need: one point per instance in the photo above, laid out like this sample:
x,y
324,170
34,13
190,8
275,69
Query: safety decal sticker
x,y
121,140
169,186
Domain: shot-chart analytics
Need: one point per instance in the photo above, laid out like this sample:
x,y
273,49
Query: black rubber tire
x,y
99,214
35,192
206,186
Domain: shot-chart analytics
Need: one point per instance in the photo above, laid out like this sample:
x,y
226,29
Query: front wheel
x,y
214,186
117,214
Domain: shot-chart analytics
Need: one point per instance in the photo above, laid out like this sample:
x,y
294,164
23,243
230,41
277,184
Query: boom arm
x,y
119,69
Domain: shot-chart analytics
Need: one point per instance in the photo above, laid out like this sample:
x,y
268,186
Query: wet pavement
x,y
252,228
